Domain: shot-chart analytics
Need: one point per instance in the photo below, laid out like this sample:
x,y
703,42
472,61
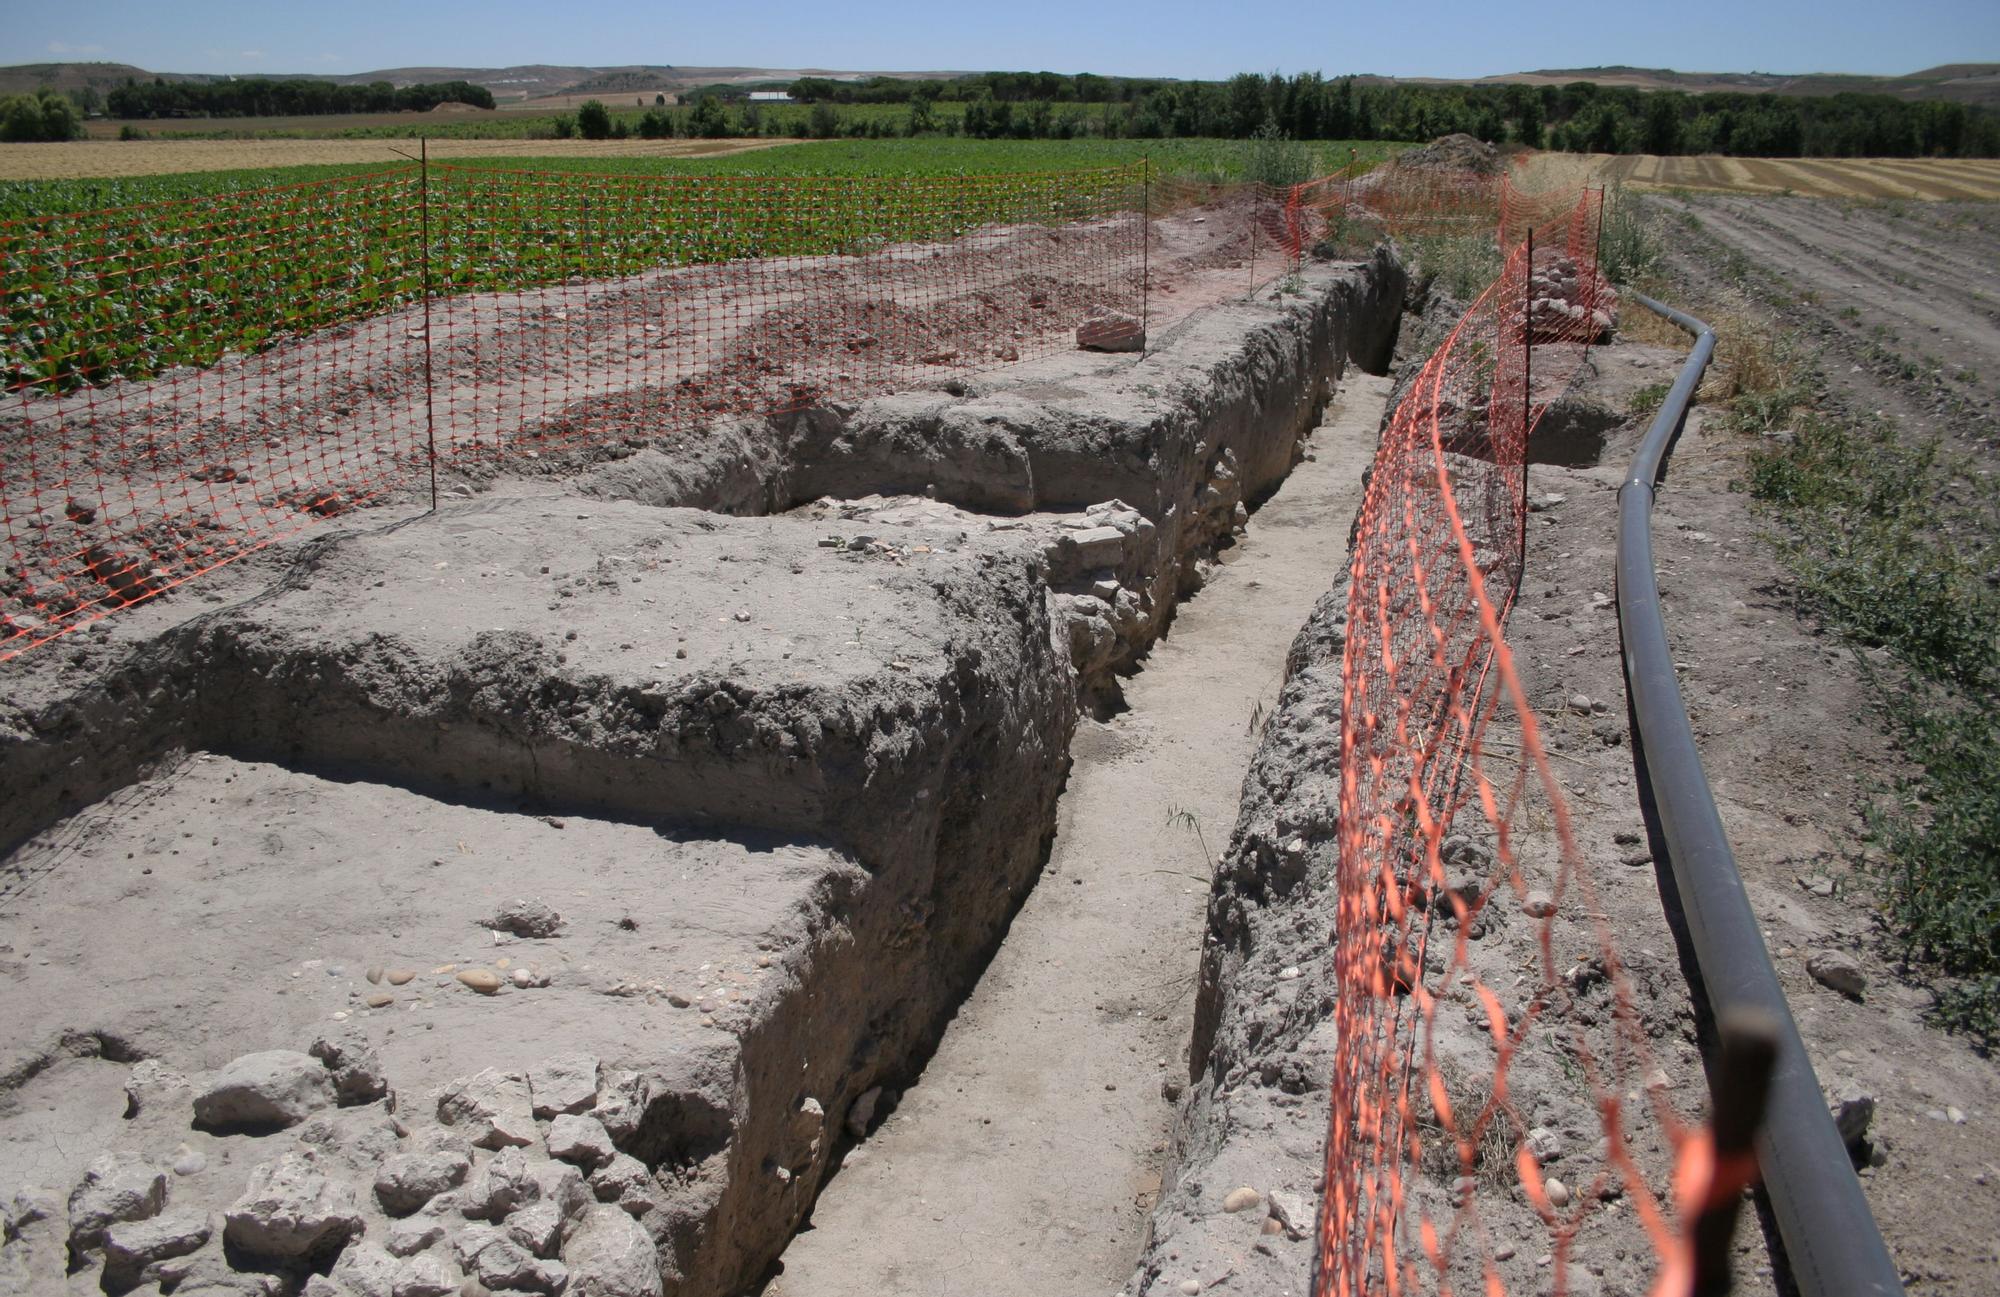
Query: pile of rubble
x,y
507,1181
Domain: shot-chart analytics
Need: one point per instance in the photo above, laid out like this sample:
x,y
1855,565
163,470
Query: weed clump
x,y
1893,544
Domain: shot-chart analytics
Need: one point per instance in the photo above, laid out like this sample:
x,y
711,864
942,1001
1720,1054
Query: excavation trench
x,y
782,773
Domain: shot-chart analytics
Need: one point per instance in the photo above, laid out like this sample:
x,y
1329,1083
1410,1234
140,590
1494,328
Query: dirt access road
x,y
1895,306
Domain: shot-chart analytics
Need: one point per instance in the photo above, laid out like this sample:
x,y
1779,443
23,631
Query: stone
x,y
269,1090
1539,905
610,1255
1241,1199
483,980
152,1086
526,918
406,1181
291,1209
115,1187
1545,1144
499,1262
566,1083
537,1227
1099,546
491,1108
582,1140
1111,331
500,1187
354,1067
132,1245
862,1111
1557,1191
619,1178
1580,703
401,976
1190,1287
366,1271
1839,971
561,1184
621,1102
1293,1212
427,1276
1853,1109
409,1237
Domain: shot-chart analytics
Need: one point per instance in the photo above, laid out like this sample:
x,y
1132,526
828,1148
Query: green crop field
x,y
128,277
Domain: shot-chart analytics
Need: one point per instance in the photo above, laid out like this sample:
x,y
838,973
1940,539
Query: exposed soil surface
x,y
1792,742
90,158
1027,1157
826,745
1793,752
1869,178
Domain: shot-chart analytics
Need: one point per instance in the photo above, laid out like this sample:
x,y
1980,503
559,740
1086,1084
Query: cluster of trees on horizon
x,y
289,97
1582,116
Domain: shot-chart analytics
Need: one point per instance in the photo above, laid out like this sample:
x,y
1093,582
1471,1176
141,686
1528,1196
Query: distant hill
x,y
1968,83
512,85
524,85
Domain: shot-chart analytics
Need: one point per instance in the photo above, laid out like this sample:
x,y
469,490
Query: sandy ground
x,y
1884,178
1793,767
1027,1158
95,158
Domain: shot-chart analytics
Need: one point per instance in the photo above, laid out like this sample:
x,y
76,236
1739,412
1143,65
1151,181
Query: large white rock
x,y
115,1187
275,1088
565,1083
291,1209
491,1108
582,1140
611,1255
406,1181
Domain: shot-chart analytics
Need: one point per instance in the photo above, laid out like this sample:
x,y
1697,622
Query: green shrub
x,y
1272,158
593,120
34,119
1892,544
1628,251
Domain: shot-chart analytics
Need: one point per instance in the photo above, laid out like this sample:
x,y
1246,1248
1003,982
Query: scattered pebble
x,y
1190,1287
400,976
379,1000
1539,905
1242,1199
483,980
1558,1192
375,974
1839,971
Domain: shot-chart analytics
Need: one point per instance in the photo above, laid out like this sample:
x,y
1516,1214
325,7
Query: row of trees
x,y
30,119
268,97
1580,117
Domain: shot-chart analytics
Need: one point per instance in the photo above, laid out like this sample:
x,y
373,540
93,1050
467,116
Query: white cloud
x,y
64,47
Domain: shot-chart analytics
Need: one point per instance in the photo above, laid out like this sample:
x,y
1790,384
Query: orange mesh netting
x,y
188,381
1451,822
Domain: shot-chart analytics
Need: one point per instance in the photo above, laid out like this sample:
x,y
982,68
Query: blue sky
x,y
1182,38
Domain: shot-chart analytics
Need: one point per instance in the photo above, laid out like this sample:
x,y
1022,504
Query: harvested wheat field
x,y
1922,178
96,158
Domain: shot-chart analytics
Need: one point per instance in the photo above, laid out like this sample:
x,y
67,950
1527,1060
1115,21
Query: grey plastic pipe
x,y
1830,1237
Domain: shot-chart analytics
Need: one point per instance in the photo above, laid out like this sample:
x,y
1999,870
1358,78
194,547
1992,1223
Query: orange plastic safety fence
x,y
186,382
1451,824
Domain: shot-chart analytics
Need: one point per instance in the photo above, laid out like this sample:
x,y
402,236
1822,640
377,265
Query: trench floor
x,y
1027,1157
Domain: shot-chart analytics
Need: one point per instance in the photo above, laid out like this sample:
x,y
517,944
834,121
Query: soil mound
x,y
1454,153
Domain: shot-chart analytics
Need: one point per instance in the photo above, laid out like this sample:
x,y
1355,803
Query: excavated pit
x,y
773,724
